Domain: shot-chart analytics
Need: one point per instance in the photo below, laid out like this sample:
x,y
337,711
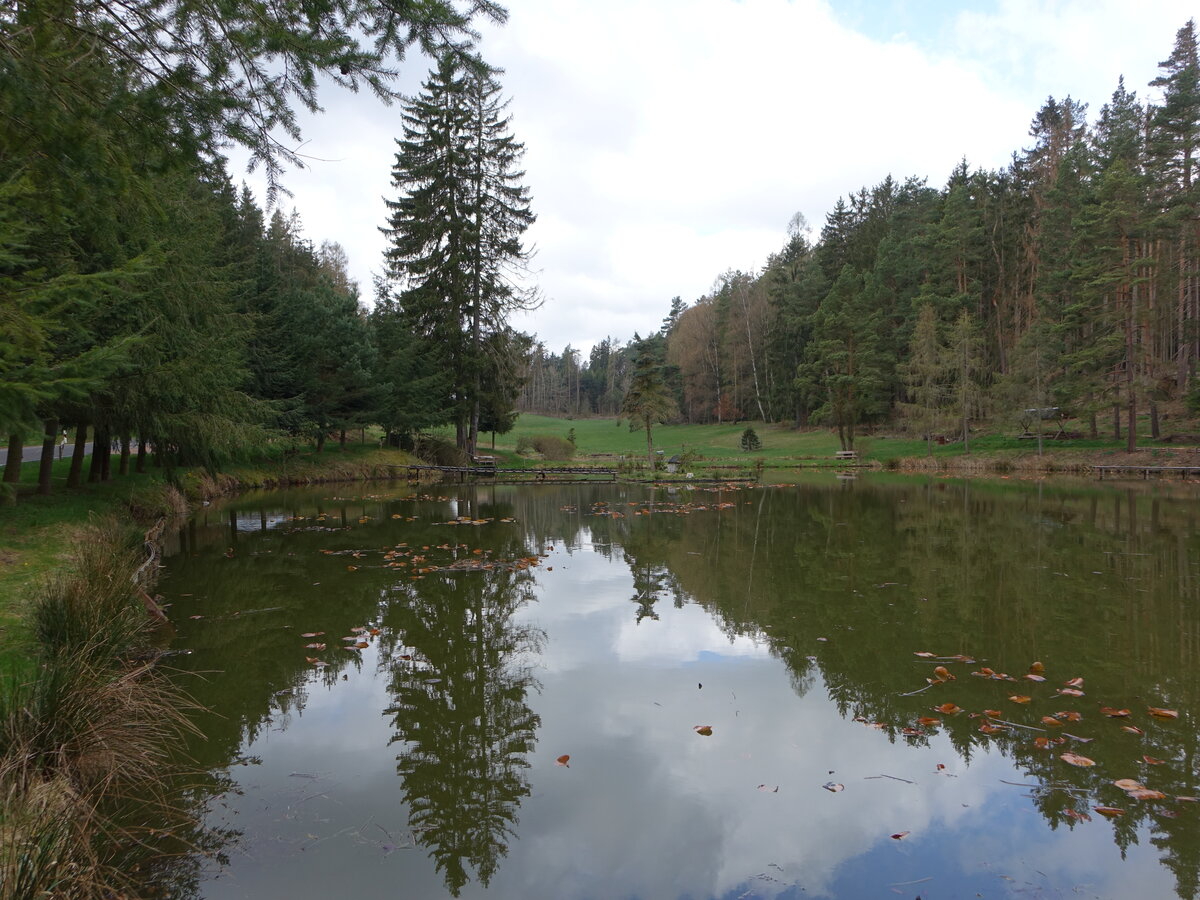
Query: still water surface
x,y
505,631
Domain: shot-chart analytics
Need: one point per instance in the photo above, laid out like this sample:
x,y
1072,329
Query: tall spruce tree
x,y
455,230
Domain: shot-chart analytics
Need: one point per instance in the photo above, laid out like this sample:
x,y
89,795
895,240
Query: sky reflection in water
x,y
647,807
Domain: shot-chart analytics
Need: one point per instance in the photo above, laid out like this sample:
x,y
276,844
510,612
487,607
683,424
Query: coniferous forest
x,y
148,300
1068,281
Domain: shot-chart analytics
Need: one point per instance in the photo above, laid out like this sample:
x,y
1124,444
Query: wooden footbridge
x,y
540,474
1147,471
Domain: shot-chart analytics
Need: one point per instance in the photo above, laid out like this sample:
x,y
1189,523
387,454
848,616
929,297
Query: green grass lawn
x,y
781,444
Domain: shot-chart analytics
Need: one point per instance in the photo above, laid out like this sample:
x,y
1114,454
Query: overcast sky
x,y
668,141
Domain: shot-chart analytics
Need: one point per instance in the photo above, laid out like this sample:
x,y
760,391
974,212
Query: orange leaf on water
x,y
1147,794
1019,698
993,713
1033,677
1051,721
1037,668
929,720
1079,816
1068,715
314,646
1163,713
563,760
1128,784
1132,729
924,654
1152,761
943,673
1071,692
1111,811
705,730
312,659
1074,682
1075,759
1114,713
948,708
312,634
900,834
361,645
988,728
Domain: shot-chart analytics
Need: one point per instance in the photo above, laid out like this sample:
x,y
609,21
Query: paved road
x,y
34,454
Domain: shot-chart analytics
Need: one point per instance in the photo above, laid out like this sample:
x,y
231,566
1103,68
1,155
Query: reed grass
x,y
87,730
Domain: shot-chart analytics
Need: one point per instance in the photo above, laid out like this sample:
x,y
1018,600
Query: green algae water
x,y
845,688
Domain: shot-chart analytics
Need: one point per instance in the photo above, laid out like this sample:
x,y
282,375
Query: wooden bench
x,y
846,454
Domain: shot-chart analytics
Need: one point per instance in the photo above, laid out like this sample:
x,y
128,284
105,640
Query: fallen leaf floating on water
x,y
1163,713
1037,668
924,654
1051,721
362,645
1146,794
358,629
314,646
1078,816
992,713
705,730
1128,784
943,674
312,659
1074,682
1132,729
1068,715
769,789
1071,692
988,728
1111,811
1019,698
312,634
948,708
1033,677
1150,760
833,786
1114,713
1075,759
900,834
351,568
929,720
563,760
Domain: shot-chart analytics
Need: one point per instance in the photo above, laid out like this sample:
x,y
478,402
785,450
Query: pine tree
x,y
456,228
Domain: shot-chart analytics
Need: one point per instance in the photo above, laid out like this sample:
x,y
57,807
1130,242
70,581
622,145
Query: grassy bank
x,y
86,726
786,447
37,532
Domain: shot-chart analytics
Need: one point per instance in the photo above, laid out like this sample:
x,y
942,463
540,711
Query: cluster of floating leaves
x,y
652,507
1051,724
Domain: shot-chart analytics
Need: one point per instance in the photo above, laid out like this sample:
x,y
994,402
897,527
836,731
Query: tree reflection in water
x,y
459,682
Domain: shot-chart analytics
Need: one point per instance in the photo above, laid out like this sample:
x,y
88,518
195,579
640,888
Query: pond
x,y
842,688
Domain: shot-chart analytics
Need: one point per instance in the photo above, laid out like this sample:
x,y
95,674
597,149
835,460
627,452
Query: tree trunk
x,y
75,476
99,445
1093,425
342,440
12,467
1116,421
125,454
1154,427
650,448
320,441
46,468
105,460
141,456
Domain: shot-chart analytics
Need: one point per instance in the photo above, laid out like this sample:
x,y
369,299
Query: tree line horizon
x,y
147,300
1069,279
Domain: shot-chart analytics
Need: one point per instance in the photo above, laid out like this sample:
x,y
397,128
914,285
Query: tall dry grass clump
x,y
86,731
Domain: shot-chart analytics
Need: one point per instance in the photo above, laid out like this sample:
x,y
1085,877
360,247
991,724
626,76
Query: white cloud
x,y
668,142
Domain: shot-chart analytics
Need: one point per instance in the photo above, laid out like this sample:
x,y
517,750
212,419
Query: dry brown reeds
x,y
86,731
